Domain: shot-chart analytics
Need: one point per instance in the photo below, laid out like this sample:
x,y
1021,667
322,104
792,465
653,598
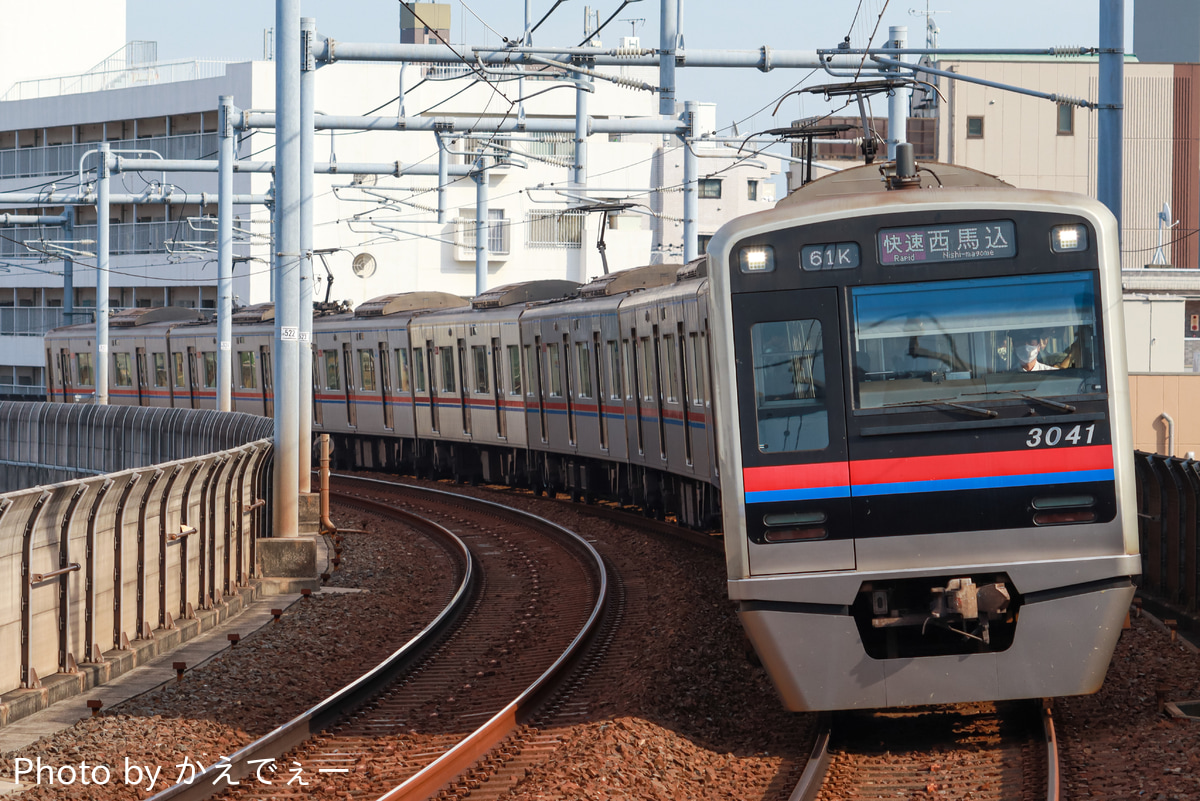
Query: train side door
x,y
792,422
498,389
64,366
385,382
268,385
348,374
193,376
143,376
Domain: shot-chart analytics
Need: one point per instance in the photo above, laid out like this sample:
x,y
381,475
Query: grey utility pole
x,y
102,219
308,80
225,156
691,184
898,99
1112,90
286,379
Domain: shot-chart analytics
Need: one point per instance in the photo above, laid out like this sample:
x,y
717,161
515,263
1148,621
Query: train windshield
x,y
975,339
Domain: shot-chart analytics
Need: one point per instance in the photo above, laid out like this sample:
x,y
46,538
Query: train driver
x,y
1026,346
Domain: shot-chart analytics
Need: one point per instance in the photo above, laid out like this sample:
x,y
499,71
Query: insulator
x,y
631,52
1068,51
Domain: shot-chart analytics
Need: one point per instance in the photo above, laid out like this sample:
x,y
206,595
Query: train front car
x,y
927,491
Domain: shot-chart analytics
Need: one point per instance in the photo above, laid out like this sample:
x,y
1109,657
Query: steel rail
x,y
818,763
1052,767
301,728
458,759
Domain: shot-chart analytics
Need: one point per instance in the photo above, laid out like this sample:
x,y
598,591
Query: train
x,y
900,394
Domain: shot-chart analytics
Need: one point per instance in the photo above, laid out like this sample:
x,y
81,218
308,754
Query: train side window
x,y
246,363
332,380
614,370
418,371
583,362
160,369
672,368
697,379
514,370
123,374
180,375
402,370
627,369
446,354
645,358
479,361
530,369
552,359
210,369
83,368
366,369
789,386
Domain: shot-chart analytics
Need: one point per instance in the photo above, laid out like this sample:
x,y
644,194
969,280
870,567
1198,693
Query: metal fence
x,y
1168,491
163,524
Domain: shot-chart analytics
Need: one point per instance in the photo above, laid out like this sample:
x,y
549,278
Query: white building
x,y
166,255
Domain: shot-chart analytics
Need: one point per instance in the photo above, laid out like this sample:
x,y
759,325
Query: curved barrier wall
x,y
155,516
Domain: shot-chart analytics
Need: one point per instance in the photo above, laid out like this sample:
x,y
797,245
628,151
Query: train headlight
x,y
1068,238
758,259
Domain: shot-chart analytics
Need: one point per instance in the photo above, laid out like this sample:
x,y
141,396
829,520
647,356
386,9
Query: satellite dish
x,y
1165,214
363,265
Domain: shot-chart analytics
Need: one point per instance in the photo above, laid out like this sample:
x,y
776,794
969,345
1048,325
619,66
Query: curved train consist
x,y
917,507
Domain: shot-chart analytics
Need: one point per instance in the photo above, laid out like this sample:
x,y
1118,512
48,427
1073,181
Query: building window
x,y
1066,120
752,190
974,127
555,229
710,187
702,241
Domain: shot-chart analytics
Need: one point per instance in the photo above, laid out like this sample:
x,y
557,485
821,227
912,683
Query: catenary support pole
x,y
308,88
225,156
103,215
443,177
691,171
668,34
579,168
898,99
69,268
481,225
287,269
1112,105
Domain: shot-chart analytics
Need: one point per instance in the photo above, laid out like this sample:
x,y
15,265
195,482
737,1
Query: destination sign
x,y
960,242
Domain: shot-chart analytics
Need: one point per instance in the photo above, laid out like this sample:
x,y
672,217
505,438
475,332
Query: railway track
x,y
531,597
1002,751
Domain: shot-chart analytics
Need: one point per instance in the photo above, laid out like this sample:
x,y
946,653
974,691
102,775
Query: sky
x,y
233,30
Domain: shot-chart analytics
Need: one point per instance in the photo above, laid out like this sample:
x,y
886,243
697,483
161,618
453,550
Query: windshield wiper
x,y
945,402
1066,407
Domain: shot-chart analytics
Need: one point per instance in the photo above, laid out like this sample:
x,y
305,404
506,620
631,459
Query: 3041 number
x,y
1055,436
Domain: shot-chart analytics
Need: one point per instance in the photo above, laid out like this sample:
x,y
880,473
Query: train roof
x,y
258,313
524,292
868,178
128,318
386,305
631,280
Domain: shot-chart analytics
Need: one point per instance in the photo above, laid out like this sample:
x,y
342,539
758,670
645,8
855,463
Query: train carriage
x,y
471,415
577,423
363,378
915,510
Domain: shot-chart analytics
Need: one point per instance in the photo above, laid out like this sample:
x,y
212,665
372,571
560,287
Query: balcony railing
x,y
32,162
124,238
33,321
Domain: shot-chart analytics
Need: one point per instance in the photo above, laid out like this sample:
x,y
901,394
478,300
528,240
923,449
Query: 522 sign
x,y
1060,435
